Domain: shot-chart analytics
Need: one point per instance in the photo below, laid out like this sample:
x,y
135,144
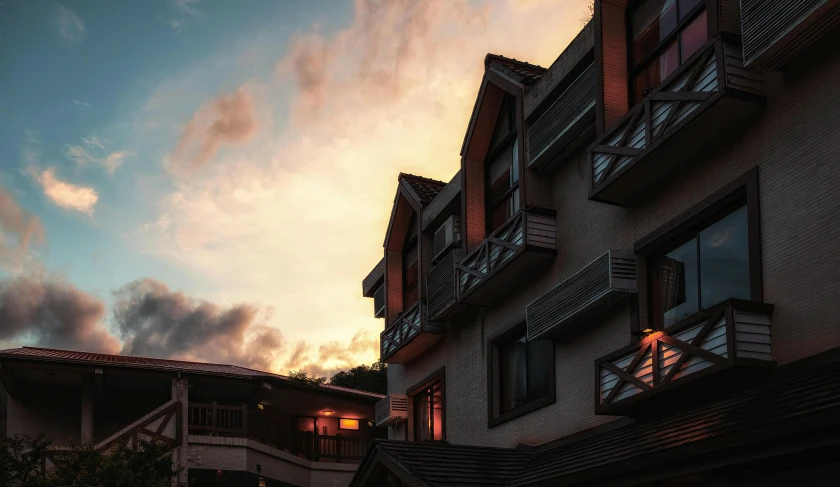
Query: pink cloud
x,y
67,195
18,230
227,120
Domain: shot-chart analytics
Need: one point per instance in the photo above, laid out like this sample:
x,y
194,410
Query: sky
x,y
211,180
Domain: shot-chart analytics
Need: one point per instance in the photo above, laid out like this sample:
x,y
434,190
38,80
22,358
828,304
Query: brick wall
x,y
795,145
614,63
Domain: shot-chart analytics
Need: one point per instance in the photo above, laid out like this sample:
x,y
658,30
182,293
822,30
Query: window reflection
x,y
428,418
525,371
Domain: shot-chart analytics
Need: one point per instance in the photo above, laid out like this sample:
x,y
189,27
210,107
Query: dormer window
x,y
410,272
502,169
663,34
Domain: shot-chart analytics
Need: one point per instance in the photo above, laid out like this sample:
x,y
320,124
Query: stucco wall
x,y
54,411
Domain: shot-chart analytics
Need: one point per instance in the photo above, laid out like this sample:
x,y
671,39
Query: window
x,y
410,271
502,169
428,413
710,265
663,35
522,375
348,424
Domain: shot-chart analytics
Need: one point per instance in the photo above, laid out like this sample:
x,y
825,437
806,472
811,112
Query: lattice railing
x,y
402,331
732,331
656,115
493,252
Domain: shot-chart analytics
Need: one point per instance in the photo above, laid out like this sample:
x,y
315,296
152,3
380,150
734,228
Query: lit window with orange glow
x,y
348,424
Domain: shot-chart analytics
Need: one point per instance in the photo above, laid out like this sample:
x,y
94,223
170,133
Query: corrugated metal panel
x,y
557,125
542,231
391,408
596,286
752,336
440,283
772,30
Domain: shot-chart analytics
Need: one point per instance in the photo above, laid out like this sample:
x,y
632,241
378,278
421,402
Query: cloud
x,y
82,104
18,230
50,312
155,321
32,136
186,6
332,356
67,195
296,218
176,24
82,155
69,25
227,120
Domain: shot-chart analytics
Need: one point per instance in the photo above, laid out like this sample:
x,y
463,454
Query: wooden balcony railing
x,y
530,231
707,98
440,286
260,426
733,333
408,335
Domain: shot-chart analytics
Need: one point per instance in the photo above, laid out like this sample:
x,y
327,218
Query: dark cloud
x,y
227,120
53,313
18,230
154,321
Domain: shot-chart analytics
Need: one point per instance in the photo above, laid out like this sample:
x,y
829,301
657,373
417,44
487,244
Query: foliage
x,y
371,378
150,465
301,376
588,13
20,460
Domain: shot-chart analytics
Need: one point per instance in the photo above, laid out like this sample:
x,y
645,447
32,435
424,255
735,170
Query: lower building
x,y
227,425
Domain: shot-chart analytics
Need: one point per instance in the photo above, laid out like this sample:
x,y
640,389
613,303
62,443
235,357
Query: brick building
x,y
227,425
632,278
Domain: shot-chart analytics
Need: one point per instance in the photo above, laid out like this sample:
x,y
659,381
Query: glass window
x,y
525,371
428,413
655,50
502,170
410,270
711,267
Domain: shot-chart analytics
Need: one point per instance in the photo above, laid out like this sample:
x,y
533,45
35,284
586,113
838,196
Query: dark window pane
x,y
514,163
503,126
694,36
667,19
499,176
645,80
540,366
650,22
514,385
669,61
724,260
500,214
678,296
428,409
410,275
686,6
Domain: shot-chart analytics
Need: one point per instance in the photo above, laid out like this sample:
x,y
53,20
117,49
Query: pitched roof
x,y
71,356
437,464
369,283
424,189
791,402
525,73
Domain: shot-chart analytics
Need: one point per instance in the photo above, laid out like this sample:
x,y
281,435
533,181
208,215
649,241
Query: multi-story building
x,y
226,425
632,280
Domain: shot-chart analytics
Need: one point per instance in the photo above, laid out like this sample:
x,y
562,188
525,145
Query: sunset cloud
x,y
227,120
67,195
81,155
297,220
18,230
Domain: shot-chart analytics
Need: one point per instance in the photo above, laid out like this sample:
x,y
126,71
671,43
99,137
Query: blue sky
x,y
211,156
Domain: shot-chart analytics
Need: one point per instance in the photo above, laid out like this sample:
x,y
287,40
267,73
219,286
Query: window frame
x,y
494,400
412,238
633,69
508,142
741,191
436,376
357,428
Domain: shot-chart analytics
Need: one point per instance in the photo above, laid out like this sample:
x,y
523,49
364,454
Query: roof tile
x,y
426,189
526,73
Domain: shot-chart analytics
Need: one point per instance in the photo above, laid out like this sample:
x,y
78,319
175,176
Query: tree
x,y
20,460
301,376
149,465
373,378
588,13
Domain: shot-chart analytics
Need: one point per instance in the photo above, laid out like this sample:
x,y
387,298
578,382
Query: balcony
x,y
409,335
728,341
708,98
440,285
495,266
211,419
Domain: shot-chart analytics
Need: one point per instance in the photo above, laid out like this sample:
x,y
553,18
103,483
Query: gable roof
x,y
148,363
793,402
521,71
444,465
424,189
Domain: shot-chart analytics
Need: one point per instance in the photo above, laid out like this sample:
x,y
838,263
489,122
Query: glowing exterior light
x,y
260,406
327,412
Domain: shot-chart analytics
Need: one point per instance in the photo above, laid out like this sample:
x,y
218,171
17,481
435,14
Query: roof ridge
x,y
422,178
490,56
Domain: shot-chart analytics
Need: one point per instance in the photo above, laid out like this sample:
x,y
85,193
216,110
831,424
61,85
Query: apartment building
x,y
631,280
227,425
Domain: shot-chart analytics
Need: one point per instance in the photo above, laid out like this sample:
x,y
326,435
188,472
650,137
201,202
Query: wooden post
x,y
338,447
309,450
213,420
